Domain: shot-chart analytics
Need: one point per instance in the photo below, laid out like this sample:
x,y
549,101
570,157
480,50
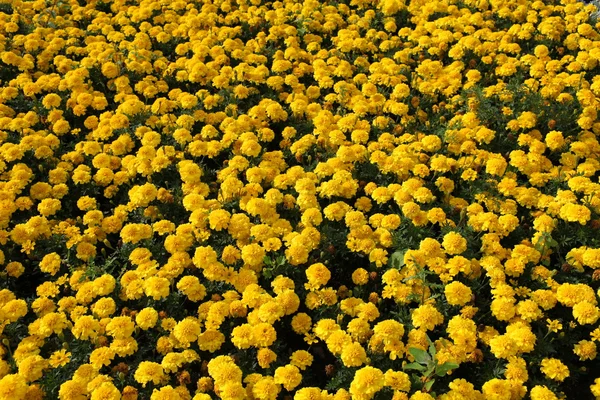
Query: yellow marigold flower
x,y
367,382
301,323
253,255
104,307
110,70
106,391
72,389
360,276
187,330
503,308
585,350
427,317
301,359
59,358
497,389
50,264
133,233
457,293
242,336
289,376
595,388
554,369
86,327
165,393
353,355
264,334
554,140
421,396
156,287
503,346
266,389
101,356
542,393
575,213
265,357
586,313
32,368
308,393
378,257
219,219
454,243
318,275
149,371
570,294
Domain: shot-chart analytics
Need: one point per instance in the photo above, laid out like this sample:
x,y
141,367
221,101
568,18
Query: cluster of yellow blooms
x,y
251,200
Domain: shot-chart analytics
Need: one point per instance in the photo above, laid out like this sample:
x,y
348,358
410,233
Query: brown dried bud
x,y
552,124
331,249
329,369
216,297
184,378
129,393
566,267
102,341
121,367
472,63
596,275
373,298
560,51
595,224
373,275
125,312
299,158
204,368
476,356
162,314
343,292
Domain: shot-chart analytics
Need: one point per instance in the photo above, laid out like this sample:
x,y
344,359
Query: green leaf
x,y
397,259
416,366
429,384
421,356
432,349
430,369
442,370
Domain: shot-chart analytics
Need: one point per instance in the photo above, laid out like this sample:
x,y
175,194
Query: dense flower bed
x,y
299,200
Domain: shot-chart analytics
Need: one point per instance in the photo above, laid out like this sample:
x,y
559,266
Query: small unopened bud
x,y
373,298
329,369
